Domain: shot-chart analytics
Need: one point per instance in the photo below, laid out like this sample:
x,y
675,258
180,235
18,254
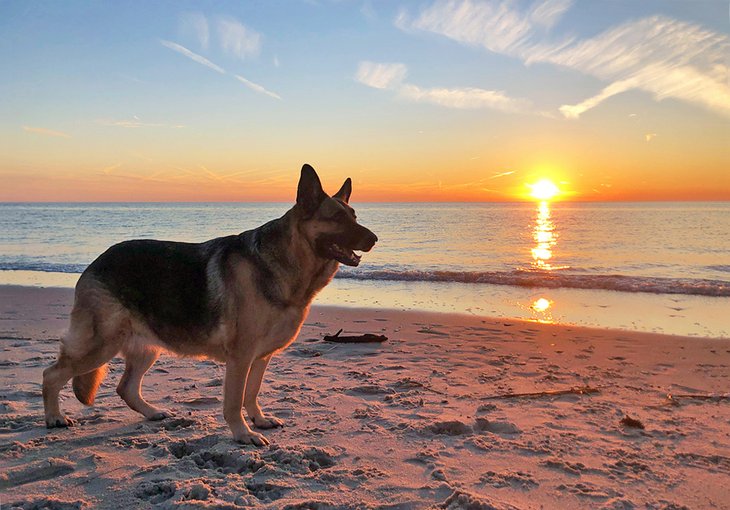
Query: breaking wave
x,y
653,285
517,278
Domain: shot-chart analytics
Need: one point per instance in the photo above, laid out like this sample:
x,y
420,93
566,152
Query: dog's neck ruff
x,y
288,270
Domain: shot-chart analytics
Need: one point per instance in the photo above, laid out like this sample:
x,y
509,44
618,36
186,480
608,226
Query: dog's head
x,y
329,223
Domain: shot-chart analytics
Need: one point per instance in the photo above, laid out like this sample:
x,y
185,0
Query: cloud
x,y
548,12
502,174
380,76
391,75
196,24
235,38
665,57
238,39
575,111
192,56
45,132
257,88
467,98
491,24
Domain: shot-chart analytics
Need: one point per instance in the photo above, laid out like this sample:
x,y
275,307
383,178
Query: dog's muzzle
x,y
342,248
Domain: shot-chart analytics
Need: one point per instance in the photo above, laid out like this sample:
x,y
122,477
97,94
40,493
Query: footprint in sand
x,y
496,427
200,402
449,428
51,468
514,479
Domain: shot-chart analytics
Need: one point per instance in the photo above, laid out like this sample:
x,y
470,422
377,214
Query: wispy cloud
x,y
662,56
495,25
502,174
381,75
235,38
196,24
45,132
391,75
575,111
199,175
257,88
467,98
238,39
548,12
192,56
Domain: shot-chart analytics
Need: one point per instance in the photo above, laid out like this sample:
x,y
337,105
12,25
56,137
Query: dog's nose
x,y
370,241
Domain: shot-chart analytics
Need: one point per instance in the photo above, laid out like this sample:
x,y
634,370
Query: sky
x,y
416,101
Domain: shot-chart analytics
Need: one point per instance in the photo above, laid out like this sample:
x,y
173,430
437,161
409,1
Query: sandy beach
x,y
452,411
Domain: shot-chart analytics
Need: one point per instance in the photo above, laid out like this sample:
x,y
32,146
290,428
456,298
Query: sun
x,y
544,189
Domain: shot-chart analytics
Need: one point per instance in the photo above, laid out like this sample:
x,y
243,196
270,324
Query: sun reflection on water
x,y
541,310
545,238
540,305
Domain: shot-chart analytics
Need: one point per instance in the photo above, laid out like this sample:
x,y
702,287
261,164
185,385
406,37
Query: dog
x,y
238,299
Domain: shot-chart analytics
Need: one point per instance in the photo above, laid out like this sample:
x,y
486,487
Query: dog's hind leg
x,y
250,399
55,377
84,354
138,361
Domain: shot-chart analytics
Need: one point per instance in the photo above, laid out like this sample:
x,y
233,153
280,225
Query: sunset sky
x,y
416,101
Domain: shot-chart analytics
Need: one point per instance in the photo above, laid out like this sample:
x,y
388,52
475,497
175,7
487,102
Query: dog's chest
x,y
275,329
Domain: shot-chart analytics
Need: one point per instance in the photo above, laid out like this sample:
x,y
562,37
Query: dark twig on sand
x,y
576,390
713,398
355,339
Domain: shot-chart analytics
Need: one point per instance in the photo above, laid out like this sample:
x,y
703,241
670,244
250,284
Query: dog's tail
x,y
85,385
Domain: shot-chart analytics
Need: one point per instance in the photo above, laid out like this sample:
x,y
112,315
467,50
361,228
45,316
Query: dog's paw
x,y
267,422
251,437
53,422
160,415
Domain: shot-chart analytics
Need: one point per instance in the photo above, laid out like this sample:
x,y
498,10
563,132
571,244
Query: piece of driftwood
x,y
576,390
713,398
355,339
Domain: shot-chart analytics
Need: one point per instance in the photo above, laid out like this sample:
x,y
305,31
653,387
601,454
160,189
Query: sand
x,y
422,420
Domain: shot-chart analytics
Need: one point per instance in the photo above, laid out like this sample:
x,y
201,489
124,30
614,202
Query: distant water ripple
x,y
658,248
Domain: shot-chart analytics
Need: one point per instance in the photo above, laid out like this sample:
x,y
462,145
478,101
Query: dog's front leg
x,y
250,399
236,373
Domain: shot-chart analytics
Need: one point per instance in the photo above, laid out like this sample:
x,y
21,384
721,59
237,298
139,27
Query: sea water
x,y
661,267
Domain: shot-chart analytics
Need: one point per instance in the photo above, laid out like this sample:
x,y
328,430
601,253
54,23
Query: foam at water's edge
x,y
553,280
517,278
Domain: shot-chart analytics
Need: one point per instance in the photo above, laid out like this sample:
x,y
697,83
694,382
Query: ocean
x,y
662,267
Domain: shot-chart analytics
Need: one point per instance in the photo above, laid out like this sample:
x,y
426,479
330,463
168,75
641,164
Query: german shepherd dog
x,y
238,299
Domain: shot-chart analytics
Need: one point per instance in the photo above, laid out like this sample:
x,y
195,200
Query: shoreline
x,y
453,410
668,314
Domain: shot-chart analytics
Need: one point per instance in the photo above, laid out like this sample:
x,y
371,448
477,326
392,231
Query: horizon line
x,y
649,200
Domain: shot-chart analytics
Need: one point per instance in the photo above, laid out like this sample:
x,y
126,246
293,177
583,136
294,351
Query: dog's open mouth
x,y
343,255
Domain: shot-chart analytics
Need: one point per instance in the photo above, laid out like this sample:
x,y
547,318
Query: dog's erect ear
x,y
345,191
309,192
